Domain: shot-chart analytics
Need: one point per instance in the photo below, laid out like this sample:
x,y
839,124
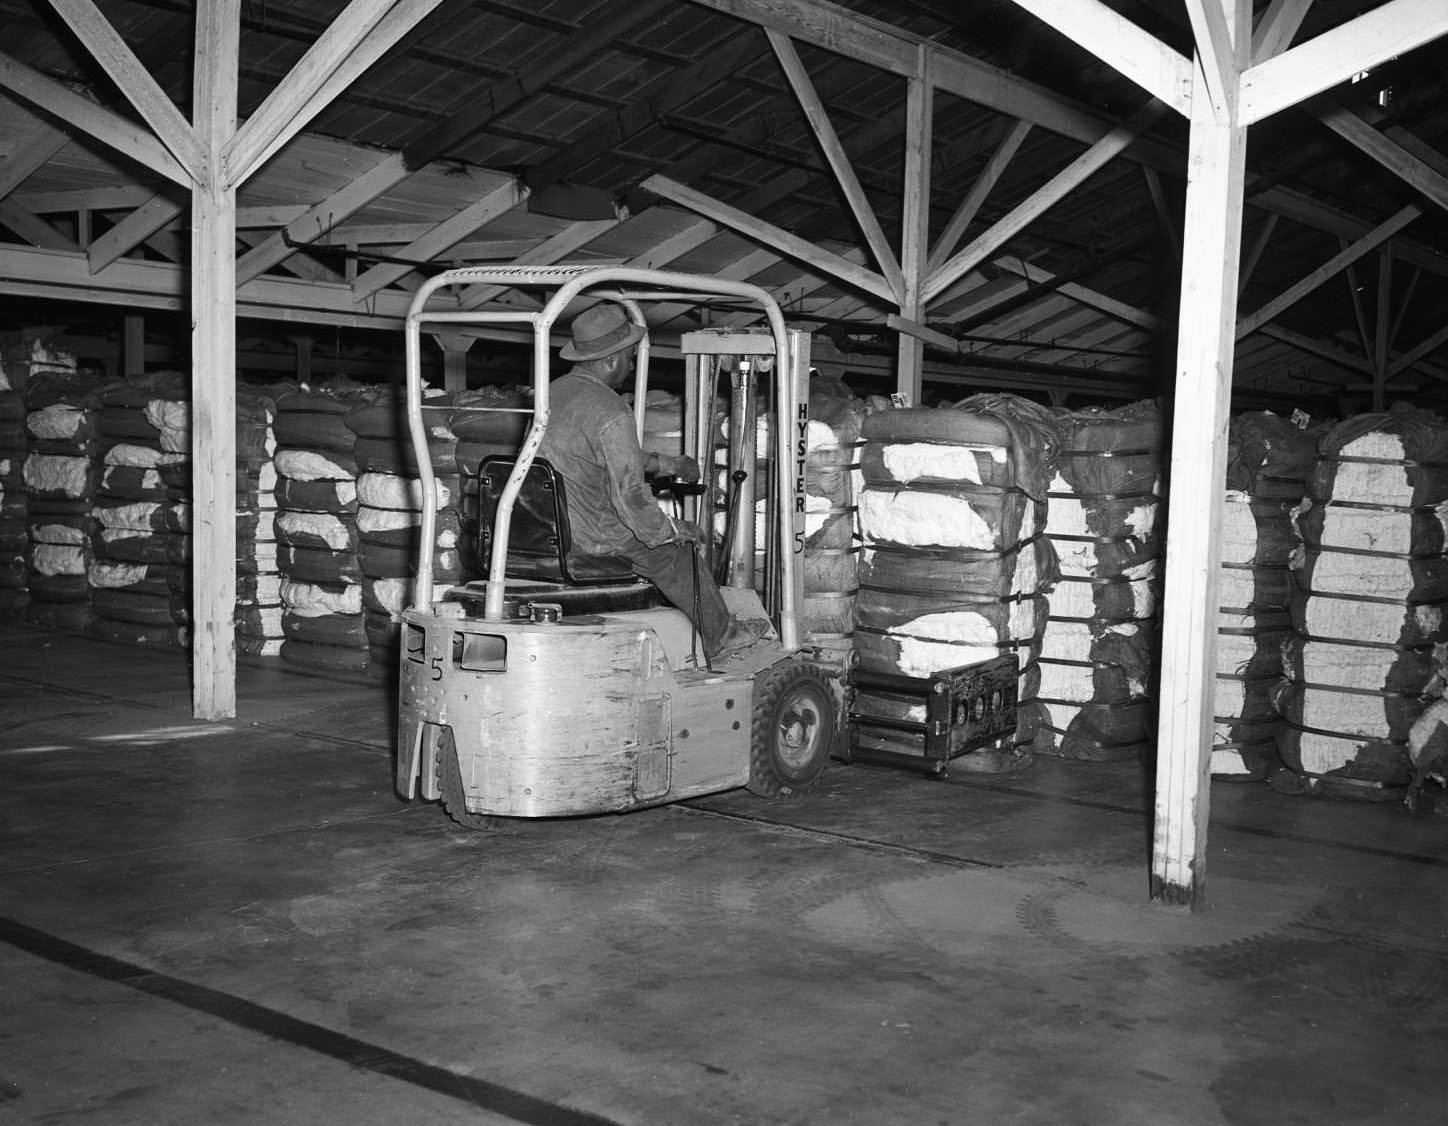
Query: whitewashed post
x,y
1205,343
915,226
213,362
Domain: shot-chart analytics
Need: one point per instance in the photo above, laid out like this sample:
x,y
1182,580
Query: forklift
x,y
555,687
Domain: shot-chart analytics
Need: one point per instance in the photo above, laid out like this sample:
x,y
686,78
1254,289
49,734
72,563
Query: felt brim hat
x,y
601,331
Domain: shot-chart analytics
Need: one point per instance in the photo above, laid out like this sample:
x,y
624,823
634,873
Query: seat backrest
x,y
539,544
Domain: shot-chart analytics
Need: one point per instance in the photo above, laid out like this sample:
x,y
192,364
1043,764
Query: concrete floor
x,y
239,923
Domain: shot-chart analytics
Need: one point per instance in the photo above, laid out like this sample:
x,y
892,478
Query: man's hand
x,y
684,469
689,532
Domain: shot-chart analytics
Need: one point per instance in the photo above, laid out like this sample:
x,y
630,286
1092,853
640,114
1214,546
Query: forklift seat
x,y
540,546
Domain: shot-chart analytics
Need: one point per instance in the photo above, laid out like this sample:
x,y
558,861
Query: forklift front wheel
x,y
793,729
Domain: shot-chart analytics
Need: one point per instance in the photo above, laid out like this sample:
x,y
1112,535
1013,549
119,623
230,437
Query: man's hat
x,y
601,330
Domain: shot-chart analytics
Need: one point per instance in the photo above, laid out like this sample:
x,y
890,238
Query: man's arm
x,y
624,464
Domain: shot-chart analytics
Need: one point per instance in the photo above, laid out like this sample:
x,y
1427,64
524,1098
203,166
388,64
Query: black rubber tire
x,y
793,728
450,786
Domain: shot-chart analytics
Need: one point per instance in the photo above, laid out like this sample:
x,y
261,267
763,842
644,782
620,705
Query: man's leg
x,y
671,568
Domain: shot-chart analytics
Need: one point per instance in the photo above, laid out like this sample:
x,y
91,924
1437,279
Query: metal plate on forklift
x,y
715,343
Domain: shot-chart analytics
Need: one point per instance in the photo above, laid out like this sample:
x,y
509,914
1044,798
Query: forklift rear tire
x,y
793,729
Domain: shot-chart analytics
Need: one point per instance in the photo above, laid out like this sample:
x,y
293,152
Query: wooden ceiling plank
x,y
322,217
29,155
1164,73
775,237
1411,169
829,142
609,131
481,107
555,249
269,215
1277,28
970,206
360,35
131,231
154,105
1032,208
1392,29
105,126
1333,266
442,237
33,229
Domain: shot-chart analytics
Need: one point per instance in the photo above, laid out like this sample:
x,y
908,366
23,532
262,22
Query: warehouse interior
x,y
1132,258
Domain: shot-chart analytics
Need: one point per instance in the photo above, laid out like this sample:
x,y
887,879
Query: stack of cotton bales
x,y
832,540
140,574
258,579
389,513
14,540
956,566
62,470
316,527
1098,656
487,422
1368,607
1268,462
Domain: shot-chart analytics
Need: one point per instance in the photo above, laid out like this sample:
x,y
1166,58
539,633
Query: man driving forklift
x,y
592,444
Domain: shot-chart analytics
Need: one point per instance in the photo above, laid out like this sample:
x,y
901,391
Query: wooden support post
x,y
303,342
1384,324
213,360
915,227
133,344
1211,244
454,347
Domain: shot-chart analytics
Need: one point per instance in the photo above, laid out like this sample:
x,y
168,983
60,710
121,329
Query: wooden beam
x,y
1392,29
131,231
1215,55
442,237
1259,244
316,221
33,229
915,228
355,39
1431,344
1333,266
1162,72
213,376
1277,28
119,197
1405,165
1211,242
1359,315
839,162
1043,199
772,236
473,113
1164,216
1119,310
1332,353
38,147
126,137
133,80
980,190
